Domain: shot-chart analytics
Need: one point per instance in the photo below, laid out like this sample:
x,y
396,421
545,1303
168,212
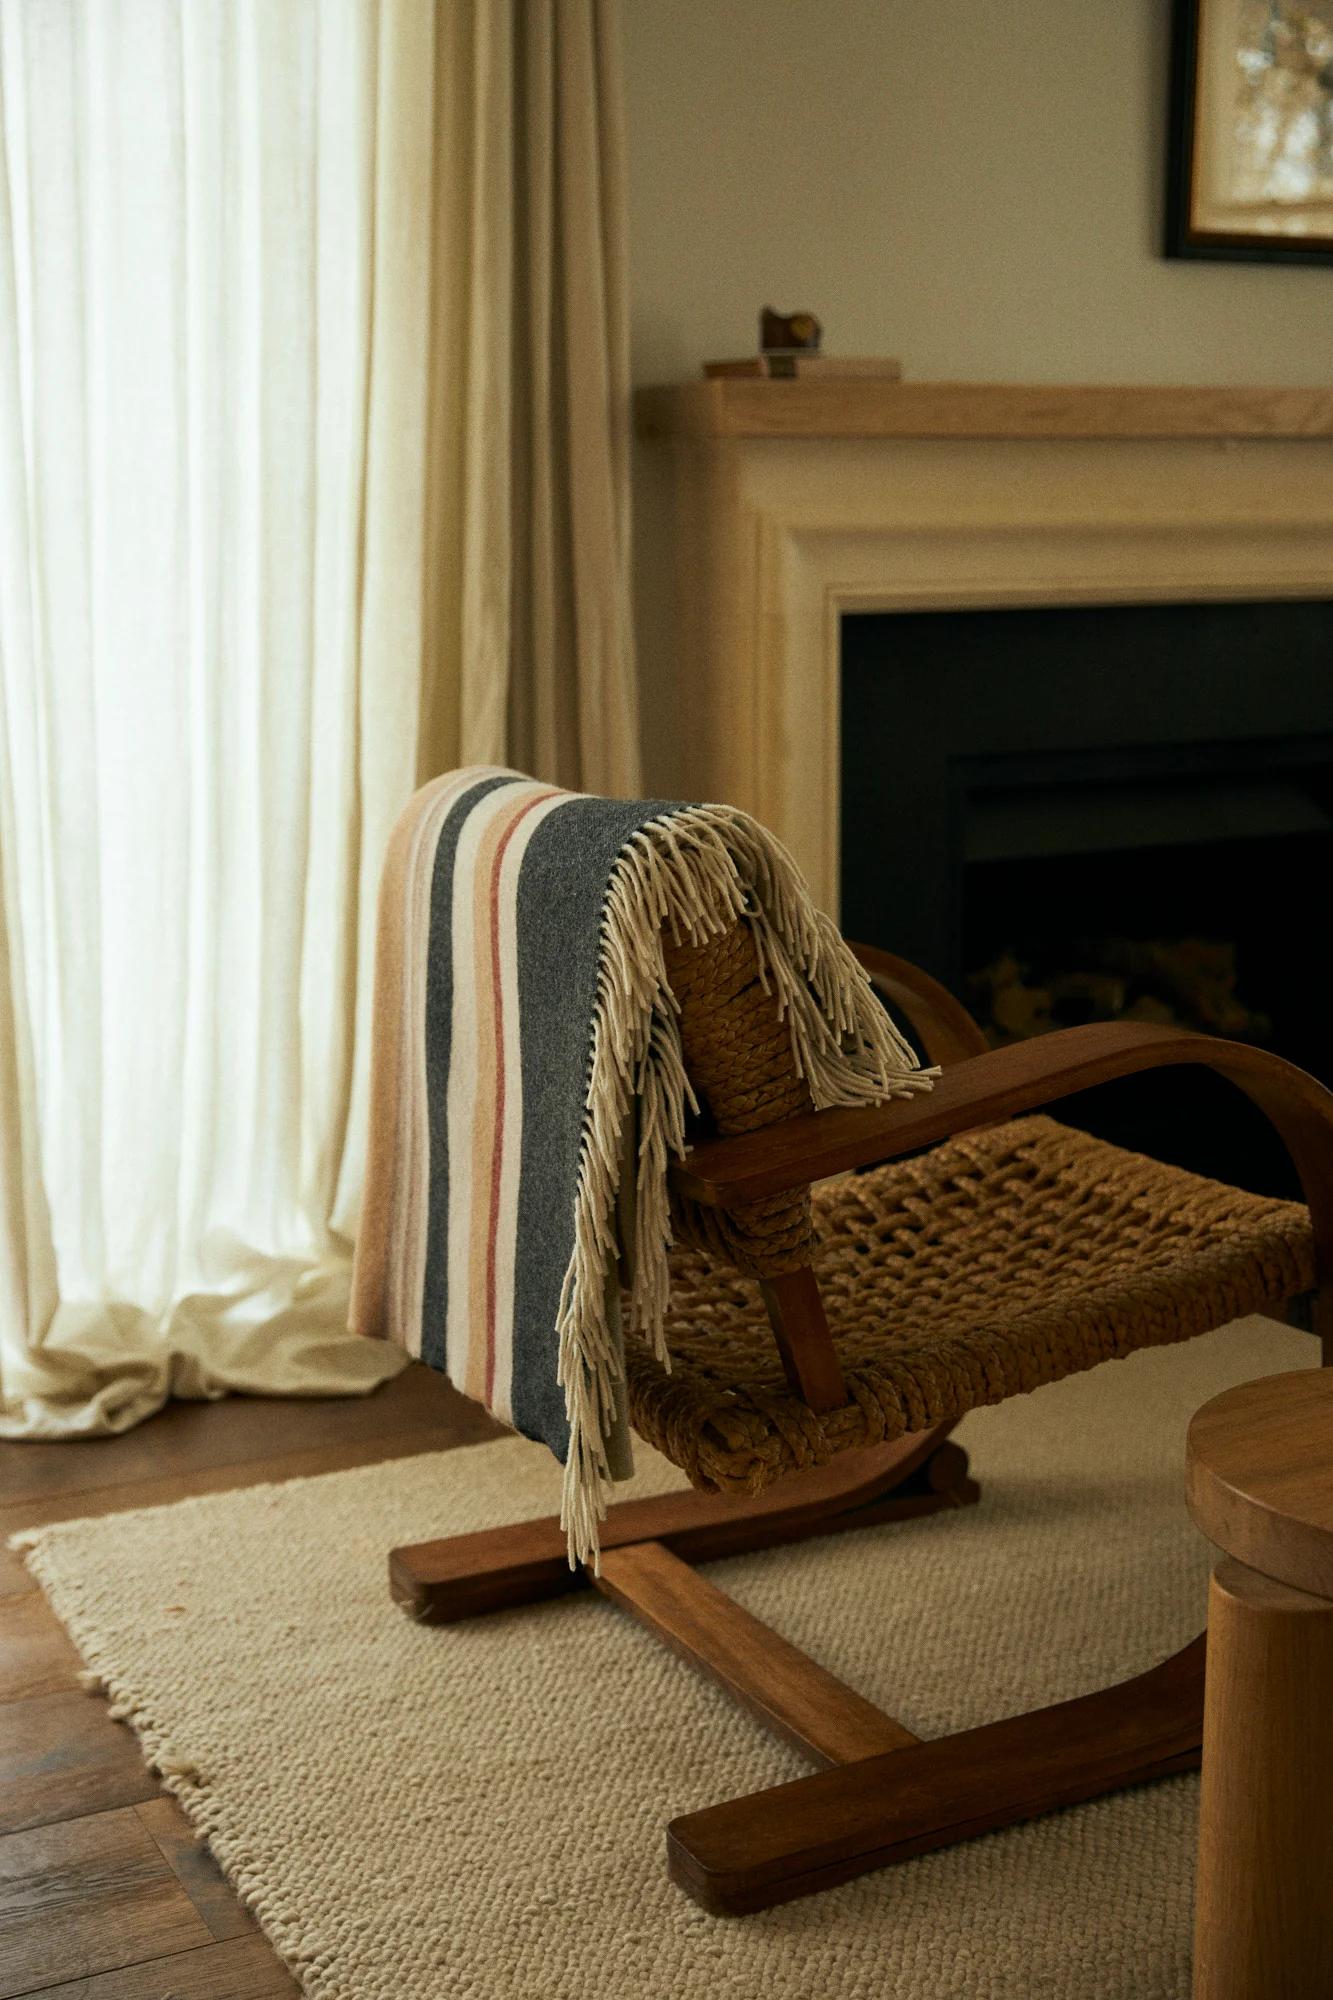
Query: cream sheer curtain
x,y
312,481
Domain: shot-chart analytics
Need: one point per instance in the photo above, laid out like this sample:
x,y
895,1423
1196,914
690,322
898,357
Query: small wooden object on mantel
x,y
789,351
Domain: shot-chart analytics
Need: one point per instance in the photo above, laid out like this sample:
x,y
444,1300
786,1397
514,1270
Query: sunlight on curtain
x,y
196,780
313,479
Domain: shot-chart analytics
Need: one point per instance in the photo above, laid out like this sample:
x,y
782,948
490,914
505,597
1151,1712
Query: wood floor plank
x,y
117,1498
185,1437
15,1577
36,1656
195,1869
84,1897
247,1969
61,1756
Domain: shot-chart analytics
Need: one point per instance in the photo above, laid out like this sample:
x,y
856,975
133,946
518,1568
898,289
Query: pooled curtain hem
x,y
104,1367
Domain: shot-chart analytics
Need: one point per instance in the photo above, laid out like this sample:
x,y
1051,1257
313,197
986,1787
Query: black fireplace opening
x,y
1099,813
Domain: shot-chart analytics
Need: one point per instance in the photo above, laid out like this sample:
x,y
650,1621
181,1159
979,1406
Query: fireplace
x,y
782,510
1100,812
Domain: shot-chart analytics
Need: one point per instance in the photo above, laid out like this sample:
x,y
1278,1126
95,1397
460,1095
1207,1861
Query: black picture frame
x,y
1186,234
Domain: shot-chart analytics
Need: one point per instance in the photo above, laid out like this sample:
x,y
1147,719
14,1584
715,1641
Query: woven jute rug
x,y
478,1810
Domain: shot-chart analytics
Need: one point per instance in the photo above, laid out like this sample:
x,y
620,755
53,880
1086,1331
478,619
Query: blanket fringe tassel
x,y
695,872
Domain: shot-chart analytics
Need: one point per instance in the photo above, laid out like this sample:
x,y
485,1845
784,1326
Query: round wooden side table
x,y
1259,1482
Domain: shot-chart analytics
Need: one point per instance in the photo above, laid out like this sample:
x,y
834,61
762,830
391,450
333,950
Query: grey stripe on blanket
x,y
522,1013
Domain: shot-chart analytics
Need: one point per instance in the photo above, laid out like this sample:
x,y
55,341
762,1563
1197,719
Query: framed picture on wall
x,y
1250,160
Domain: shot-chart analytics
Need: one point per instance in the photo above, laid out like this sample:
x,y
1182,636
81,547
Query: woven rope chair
x,y
847,1284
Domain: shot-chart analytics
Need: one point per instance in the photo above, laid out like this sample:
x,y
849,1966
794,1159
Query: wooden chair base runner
x,y
494,1568
884,1795
816,1832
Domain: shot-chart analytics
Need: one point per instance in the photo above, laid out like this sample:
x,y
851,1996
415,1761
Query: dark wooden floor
x,y
104,1892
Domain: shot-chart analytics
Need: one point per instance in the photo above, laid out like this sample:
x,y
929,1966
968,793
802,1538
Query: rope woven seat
x,y
995,1263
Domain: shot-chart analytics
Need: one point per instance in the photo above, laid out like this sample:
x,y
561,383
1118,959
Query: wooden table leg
x,y
1264,1914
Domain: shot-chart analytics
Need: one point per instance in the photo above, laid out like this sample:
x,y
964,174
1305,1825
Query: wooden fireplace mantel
x,y
794,503
856,408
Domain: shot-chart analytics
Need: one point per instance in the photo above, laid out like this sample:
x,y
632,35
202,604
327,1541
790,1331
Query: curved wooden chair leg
x,y
463,1576
815,1832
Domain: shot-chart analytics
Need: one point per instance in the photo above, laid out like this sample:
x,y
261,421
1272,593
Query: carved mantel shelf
x,y
868,409
798,502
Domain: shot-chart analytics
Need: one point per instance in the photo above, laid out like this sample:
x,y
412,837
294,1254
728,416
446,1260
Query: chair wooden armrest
x,y
983,1089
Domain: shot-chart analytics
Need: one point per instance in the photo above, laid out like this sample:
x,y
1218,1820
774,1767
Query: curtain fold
x,y
313,478
573,707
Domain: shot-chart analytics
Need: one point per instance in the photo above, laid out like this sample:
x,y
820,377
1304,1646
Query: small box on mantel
x,y
807,368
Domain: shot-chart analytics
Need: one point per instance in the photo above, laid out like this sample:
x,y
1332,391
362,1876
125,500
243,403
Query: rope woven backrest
x,y
738,1055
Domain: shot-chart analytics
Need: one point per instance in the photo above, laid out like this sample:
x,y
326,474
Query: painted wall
x,y
975,187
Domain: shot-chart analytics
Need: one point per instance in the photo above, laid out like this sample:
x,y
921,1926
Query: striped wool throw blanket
x,y
524,1028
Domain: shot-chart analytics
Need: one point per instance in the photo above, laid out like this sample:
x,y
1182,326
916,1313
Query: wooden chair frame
x,y
885,1794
